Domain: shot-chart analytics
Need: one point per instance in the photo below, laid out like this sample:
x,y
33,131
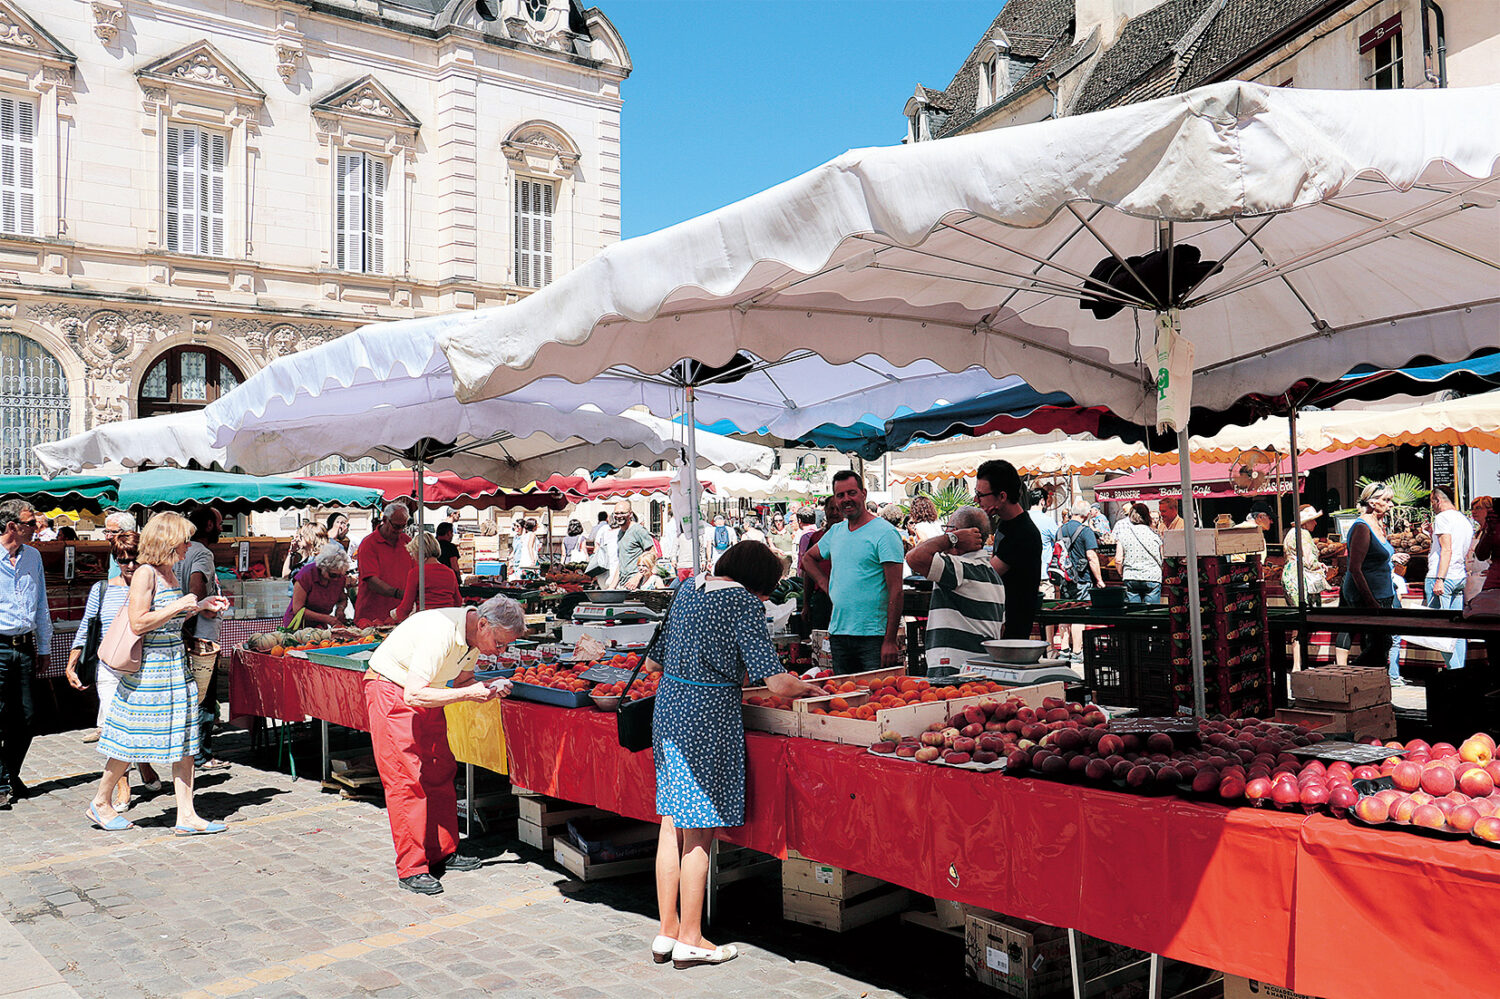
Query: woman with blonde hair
x,y
306,544
1368,578
154,715
440,583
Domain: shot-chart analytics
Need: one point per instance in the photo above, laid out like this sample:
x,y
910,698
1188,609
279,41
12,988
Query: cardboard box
x,y
1342,687
1375,722
1224,541
1236,987
799,873
1016,956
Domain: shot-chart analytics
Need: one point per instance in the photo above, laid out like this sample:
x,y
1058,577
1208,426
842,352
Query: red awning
x,y
1210,478
641,485
447,489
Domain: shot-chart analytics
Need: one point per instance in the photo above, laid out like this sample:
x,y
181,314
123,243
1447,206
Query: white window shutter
x,y
173,180
375,171
8,164
26,167
219,159
346,215
545,246
533,233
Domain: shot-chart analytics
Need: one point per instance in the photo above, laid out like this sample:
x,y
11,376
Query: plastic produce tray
x,y
550,695
341,655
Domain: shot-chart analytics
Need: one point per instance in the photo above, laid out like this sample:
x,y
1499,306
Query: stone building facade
x,y
1041,59
192,188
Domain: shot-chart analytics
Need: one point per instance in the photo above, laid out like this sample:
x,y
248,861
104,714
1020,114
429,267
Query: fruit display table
x,y
1309,902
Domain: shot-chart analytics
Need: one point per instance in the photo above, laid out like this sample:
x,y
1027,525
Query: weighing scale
x,y
1023,674
614,624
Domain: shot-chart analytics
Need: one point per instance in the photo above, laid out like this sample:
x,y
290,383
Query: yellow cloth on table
x,y
475,735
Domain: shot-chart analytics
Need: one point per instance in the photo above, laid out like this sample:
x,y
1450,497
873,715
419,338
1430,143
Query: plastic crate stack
x,y
1236,640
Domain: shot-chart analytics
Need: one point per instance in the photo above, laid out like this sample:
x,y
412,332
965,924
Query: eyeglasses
x,y
127,561
979,495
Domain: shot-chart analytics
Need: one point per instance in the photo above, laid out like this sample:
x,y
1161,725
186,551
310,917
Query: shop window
x,y
195,190
536,202
186,378
359,214
34,407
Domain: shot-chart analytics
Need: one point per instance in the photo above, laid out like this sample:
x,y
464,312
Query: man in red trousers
x,y
426,664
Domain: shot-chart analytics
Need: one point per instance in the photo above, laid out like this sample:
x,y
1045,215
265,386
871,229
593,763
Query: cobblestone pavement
x,y
300,899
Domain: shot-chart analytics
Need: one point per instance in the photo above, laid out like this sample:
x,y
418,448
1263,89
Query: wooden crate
x,y
909,719
577,863
535,836
840,915
783,721
550,812
1375,722
803,874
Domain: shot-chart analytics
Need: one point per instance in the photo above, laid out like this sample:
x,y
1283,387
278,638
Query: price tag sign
x,y
605,674
69,556
244,557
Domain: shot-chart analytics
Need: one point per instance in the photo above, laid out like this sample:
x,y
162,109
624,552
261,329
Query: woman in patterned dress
x,y
154,715
714,641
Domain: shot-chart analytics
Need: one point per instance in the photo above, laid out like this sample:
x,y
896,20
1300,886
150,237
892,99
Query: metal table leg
x,y
711,897
1075,964
326,764
468,800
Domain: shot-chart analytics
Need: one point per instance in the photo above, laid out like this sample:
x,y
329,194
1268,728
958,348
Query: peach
x,y
1475,751
1487,829
928,753
1442,749
1476,783
1017,761
883,747
932,738
906,750
972,731
1429,816
1407,775
1493,769
1366,772
1402,810
1438,781
1463,817
964,744
1371,809
1341,799
955,757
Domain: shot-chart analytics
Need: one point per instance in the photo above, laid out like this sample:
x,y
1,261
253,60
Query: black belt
x,y
26,641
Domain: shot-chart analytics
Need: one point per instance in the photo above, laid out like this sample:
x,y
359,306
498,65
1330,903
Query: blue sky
x,y
730,97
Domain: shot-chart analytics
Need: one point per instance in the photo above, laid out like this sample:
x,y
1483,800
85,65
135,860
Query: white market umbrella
x,y
1346,227
175,439
1050,458
383,392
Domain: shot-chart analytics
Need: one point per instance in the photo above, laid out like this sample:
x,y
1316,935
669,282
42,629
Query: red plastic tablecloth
x,y
1311,903
291,688
575,754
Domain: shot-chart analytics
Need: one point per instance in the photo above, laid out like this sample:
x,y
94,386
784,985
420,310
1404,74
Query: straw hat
x,y
1308,512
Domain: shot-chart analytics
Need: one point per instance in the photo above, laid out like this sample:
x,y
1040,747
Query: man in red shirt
x,y
383,565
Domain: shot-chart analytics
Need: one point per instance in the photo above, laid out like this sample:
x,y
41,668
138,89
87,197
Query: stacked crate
x,y
1343,699
831,898
1236,641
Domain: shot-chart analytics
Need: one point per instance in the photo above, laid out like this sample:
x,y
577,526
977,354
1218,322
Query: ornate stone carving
x,y
108,15
200,68
152,98
367,101
14,33
273,340
288,55
540,139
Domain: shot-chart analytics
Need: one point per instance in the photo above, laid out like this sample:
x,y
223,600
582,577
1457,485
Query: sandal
x,y
208,830
661,949
684,956
117,824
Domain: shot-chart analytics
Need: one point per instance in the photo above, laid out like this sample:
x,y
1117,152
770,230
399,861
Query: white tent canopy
x,y
383,392
1353,227
1051,458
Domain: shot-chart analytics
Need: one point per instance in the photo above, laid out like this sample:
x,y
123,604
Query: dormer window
x,y
994,72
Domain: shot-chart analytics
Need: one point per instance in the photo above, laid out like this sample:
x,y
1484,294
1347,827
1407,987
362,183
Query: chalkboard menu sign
x,y
1443,460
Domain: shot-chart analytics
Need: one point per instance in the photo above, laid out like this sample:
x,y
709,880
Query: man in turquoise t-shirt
x,y
864,581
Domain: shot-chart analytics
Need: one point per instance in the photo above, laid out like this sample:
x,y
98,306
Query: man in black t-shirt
x,y
1018,544
447,550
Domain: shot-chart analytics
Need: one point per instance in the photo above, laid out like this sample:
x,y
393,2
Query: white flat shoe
x,y
661,949
684,956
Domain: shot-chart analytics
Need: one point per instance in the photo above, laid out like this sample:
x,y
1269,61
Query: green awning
x,y
231,493
93,492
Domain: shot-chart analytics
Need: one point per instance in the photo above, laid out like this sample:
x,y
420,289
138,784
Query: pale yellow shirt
x,y
430,645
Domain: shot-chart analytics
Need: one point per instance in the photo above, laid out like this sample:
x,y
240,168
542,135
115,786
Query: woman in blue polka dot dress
x,y
714,641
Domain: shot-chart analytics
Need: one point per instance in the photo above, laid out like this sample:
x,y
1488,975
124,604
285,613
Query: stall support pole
x,y
1291,422
421,493
323,725
1190,545
468,801
694,527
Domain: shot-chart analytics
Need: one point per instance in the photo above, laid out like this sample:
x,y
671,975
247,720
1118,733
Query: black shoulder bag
x,y
93,632
634,717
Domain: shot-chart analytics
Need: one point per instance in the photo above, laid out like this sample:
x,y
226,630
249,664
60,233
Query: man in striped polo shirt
x,y
968,598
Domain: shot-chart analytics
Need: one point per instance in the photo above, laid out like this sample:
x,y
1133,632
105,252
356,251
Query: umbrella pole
x,y
694,528
422,545
1291,421
1190,545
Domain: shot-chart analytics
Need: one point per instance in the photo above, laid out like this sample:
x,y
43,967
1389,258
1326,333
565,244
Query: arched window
x,y
33,402
186,378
